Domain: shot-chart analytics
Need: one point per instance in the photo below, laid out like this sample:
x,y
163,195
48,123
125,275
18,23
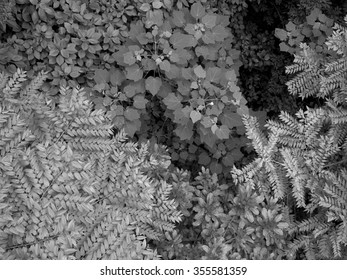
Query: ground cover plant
x,y
108,82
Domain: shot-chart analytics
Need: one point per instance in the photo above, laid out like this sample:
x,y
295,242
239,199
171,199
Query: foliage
x,y
302,161
160,69
69,190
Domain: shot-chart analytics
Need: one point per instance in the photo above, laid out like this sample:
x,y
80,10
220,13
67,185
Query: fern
x,y
69,190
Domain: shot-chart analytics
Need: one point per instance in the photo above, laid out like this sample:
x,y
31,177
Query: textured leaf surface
x,y
153,85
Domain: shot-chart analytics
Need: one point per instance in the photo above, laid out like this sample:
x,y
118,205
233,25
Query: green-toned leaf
x,y
188,74
153,85
200,72
197,10
209,20
207,122
290,26
145,7
281,34
179,40
154,18
284,47
190,28
195,116
134,73
181,115
172,101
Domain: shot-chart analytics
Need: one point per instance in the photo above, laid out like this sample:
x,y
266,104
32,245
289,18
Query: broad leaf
x,y
195,116
172,101
197,10
181,41
185,132
223,132
178,18
213,74
200,72
209,20
131,114
134,73
140,102
220,33
153,85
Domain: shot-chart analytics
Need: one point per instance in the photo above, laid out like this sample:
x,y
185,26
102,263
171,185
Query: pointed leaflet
x,y
153,85
197,10
172,101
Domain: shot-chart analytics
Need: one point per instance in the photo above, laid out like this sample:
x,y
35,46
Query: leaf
x,y
181,116
129,58
231,119
185,132
290,26
230,76
284,47
220,33
101,76
153,85
165,65
213,74
207,122
131,114
214,128
209,20
134,73
178,18
154,18
200,72
131,127
228,160
208,38
190,28
140,102
216,167
204,159
187,73
145,7
222,132
195,116
116,77
172,101
281,34
197,10
179,40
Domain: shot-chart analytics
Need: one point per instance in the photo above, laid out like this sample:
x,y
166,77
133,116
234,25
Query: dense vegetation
x,y
90,92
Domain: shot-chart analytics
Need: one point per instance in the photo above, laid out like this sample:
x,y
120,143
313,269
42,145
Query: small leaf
x,y
165,65
204,159
195,116
145,7
230,76
214,128
153,85
216,167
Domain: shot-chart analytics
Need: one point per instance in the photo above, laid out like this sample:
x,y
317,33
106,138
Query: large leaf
x,y
131,114
200,72
179,40
185,132
178,18
220,33
197,10
153,85
213,74
134,73
222,132
101,76
140,102
209,20
172,101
